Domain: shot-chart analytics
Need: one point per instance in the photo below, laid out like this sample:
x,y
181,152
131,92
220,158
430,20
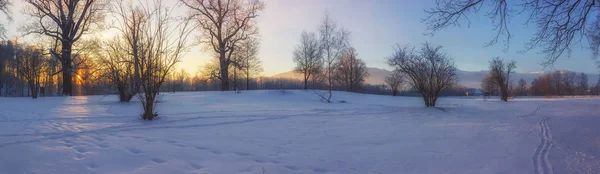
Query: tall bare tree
x,y
350,71
558,23
28,62
118,68
556,82
569,82
500,76
334,41
249,61
522,86
66,21
163,42
582,84
5,8
429,70
223,24
307,57
395,81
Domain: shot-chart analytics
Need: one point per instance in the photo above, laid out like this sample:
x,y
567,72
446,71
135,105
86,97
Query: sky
x,y
376,27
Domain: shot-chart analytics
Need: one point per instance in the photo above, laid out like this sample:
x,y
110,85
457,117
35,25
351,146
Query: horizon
x,y
398,23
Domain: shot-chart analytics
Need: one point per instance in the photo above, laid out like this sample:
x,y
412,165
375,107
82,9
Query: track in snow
x,y
541,164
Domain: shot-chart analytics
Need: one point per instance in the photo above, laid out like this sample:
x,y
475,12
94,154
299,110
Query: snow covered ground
x,y
276,132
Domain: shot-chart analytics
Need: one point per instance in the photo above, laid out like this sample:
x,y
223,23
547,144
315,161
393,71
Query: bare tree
x,y
334,41
4,7
164,42
118,68
307,57
224,23
500,76
569,82
131,23
28,62
556,82
350,71
250,62
395,81
429,70
66,21
582,84
522,86
488,85
558,23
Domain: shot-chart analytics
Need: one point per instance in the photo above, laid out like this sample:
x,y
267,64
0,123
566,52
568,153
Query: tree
x,y
350,71
522,87
224,23
28,62
488,85
7,53
556,82
118,68
131,24
500,75
394,81
4,7
66,21
582,84
250,62
569,82
334,41
429,70
164,42
307,57
558,23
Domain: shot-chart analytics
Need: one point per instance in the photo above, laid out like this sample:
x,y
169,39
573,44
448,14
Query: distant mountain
x,y
376,75
470,79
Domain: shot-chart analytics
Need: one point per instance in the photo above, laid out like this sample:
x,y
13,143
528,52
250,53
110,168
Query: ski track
x,y
541,164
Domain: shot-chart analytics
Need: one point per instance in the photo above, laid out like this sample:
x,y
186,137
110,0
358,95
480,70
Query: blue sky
x,y
377,26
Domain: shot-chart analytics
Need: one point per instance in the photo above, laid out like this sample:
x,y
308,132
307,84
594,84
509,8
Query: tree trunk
x,y
305,81
67,68
33,90
247,81
224,76
149,109
235,79
426,100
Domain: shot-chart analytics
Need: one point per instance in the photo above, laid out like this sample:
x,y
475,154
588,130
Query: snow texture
x,y
274,132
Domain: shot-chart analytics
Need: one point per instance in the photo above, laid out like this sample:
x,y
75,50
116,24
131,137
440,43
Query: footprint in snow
x,y
201,148
105,146
196,166
81,149
133,150
79,156
92,165
216,152
292,168
241,153
158,160
98,138
320,170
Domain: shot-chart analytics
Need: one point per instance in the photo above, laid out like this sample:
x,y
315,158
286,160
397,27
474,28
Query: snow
x,y
276,132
